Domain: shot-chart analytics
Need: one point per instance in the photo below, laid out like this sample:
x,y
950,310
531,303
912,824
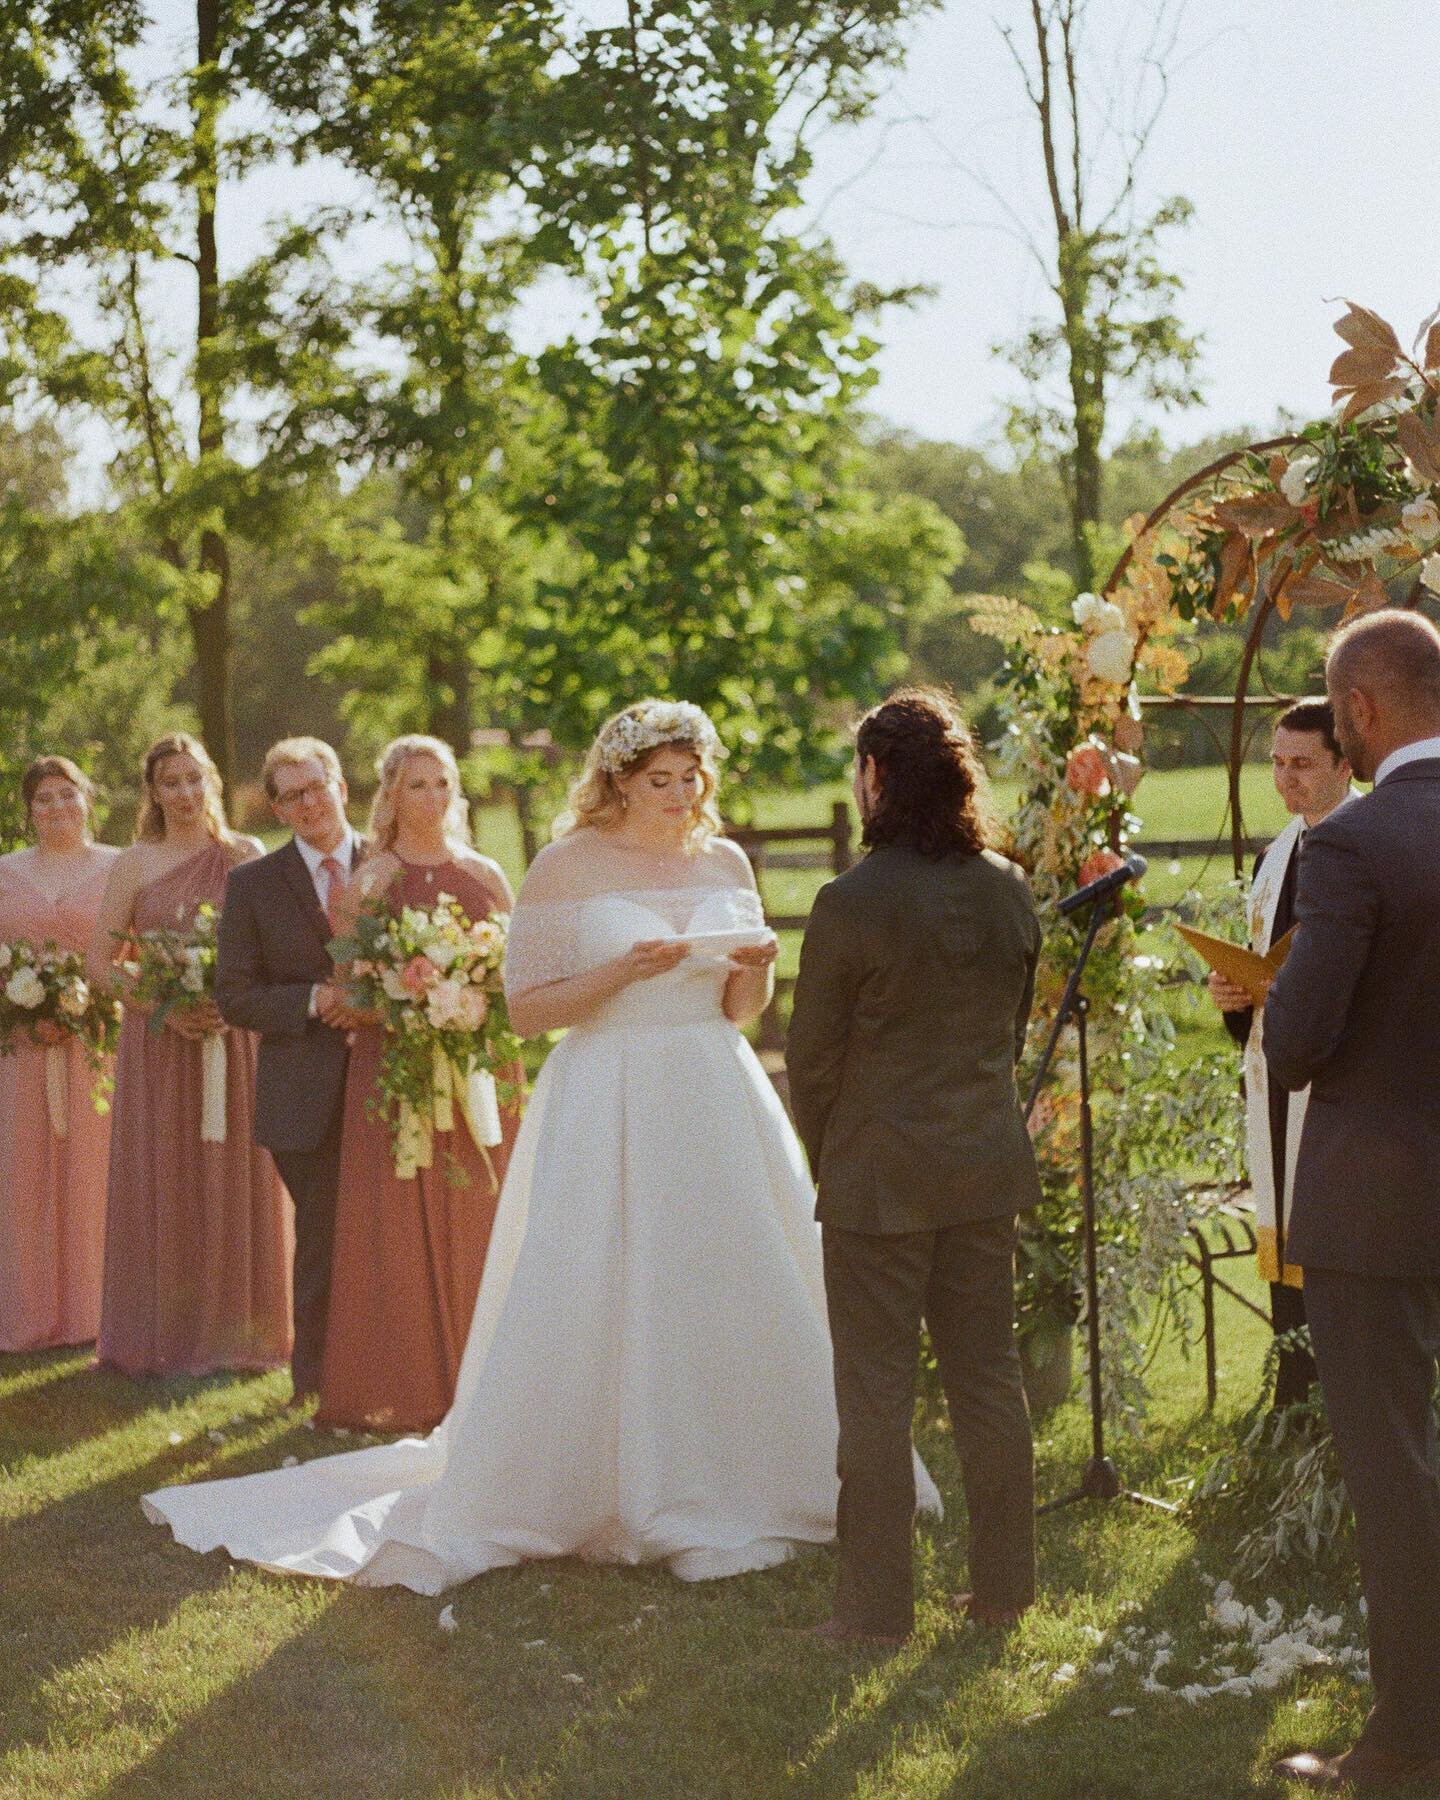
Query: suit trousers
x,y
1376,1343
960,1280
313,1180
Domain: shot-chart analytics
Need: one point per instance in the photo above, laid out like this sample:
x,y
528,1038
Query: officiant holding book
x,y
1312,777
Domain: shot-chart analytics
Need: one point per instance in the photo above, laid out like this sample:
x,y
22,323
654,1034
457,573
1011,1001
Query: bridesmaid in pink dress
x,y
197,1240
52,1188
409,1254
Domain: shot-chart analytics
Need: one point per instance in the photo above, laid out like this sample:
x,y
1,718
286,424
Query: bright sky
x,y
1304,131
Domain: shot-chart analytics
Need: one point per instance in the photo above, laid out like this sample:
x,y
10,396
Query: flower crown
x,y
649,725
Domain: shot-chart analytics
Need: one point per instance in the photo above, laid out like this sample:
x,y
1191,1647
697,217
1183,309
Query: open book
x,y
1246,968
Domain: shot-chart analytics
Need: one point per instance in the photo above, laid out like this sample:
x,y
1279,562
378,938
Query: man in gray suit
x,y
1354,1013
911,1008
274,976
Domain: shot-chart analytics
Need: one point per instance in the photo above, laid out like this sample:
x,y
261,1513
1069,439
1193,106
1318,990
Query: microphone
x,y
1131,869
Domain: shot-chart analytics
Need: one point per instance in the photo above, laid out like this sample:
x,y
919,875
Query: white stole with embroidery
x,y
1272,1210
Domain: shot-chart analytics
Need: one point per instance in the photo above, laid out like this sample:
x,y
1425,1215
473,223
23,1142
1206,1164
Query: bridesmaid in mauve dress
x,y
198,1239
52,1188
409,1254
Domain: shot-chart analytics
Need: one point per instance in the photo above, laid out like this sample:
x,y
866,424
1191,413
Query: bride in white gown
x,y
648,1376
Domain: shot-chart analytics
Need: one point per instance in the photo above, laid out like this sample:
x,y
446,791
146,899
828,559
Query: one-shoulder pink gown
x,y
408,1254
198,1236
52,1189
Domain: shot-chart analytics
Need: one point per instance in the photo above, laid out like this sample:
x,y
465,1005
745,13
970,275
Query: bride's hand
x,y
653,956
756,956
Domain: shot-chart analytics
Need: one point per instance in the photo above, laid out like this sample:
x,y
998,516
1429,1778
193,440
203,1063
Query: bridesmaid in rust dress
x,y
52,1186
409,1254
197,1239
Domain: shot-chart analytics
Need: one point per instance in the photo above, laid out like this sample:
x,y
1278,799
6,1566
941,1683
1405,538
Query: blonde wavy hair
x,y
150,826
384,823
595,798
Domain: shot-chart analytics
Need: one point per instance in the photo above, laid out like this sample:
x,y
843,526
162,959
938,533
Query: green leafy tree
x,y
703,472
120,145
441,113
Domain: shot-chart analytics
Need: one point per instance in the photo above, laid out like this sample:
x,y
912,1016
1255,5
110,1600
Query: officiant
x,y
1312,777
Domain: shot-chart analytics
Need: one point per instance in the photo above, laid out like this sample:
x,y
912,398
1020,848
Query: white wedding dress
x,y
648,1373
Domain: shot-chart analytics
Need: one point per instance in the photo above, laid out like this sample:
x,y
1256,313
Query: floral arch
x,y
1331,518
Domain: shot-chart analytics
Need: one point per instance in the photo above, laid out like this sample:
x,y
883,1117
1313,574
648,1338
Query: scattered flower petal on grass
x,y
579,1680
447,1620
290,1462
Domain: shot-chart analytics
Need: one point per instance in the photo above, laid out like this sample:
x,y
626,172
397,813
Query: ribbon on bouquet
x,y
212,1089
57,1089
471,1091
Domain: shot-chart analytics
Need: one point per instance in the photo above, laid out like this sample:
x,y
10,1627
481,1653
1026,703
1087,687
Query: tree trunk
x,y
210,622
447,681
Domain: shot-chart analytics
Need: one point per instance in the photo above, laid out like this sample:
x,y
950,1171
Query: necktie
x,y
334,878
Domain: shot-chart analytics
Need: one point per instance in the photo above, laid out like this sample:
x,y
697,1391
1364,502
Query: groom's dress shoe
x,y
1360,1768
840,1636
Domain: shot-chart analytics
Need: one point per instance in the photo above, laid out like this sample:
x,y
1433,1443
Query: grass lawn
x,y
130,1667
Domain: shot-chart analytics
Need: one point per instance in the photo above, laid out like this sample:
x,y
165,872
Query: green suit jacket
x,y
916,978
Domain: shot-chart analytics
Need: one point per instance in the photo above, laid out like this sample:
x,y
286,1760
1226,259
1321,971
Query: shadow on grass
x,y
84,1569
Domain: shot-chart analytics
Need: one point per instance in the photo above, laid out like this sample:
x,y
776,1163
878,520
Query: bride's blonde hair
x,y
384,825
623,745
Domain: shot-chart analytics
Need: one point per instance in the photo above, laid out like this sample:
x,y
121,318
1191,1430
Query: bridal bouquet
x,y
168,970
432,977
46,999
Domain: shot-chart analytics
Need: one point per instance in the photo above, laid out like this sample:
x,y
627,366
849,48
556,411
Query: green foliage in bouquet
x,y
169,969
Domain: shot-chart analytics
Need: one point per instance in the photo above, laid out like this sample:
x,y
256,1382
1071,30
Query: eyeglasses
x,y
312,790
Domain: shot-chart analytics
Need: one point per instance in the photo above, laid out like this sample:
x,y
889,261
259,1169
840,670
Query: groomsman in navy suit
x,y
274,976
1353,1013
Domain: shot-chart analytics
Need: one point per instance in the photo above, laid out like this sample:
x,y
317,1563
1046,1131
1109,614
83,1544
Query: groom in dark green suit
x,y
911,1008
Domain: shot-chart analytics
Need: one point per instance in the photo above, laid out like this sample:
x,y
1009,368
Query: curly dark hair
x,y
934,796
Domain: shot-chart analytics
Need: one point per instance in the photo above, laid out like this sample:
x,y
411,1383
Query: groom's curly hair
x,y
934,795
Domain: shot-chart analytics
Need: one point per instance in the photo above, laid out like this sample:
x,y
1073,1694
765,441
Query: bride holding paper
x,y
648,1373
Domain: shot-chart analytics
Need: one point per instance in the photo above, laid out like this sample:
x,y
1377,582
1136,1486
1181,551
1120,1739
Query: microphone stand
x,y
1099,1480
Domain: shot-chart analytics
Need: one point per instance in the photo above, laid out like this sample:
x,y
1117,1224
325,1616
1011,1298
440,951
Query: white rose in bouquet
x,y
442,953
393,985
1110,656
25,988
472,1008
443,1004
1295,482
1430,573
1421,518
